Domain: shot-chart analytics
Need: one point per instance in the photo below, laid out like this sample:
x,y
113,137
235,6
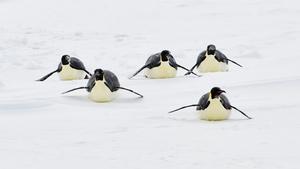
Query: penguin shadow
x,y
189,120
127,100
85,99
198,120
188,76
137,78
141,77
189,117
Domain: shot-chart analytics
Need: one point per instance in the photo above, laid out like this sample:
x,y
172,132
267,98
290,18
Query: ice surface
x,y
40,128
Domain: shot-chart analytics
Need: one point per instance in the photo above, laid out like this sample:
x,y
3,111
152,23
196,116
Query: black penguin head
x,y
99,74
65,59
164,55
216,92
211,49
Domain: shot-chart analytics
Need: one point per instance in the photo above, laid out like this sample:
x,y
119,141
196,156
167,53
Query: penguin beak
x,y
99,77
222,91
211,52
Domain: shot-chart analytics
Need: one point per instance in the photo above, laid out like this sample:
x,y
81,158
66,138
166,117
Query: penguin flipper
x,y
200,59
203,102
48,75
192,105
222,58
87,72
75,89
189,72
145,66
78,64
234,62
130,91
241,112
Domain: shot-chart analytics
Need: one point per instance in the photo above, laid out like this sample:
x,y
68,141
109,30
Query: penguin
x,y
212,60
102,86
214,106
160,65
70,68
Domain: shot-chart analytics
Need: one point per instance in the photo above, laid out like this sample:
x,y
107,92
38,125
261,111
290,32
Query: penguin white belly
x,y
69,73
162,71
101,93
210,64
215,111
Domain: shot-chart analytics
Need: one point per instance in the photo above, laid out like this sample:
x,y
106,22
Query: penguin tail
x,y
74,89
192,105
241,112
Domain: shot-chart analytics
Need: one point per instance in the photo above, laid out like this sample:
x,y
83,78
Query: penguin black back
x,y
156,60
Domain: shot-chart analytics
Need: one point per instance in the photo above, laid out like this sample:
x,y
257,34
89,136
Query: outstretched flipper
x,y
145,66
192,105
200,59
48,75
189,72
130,91
75,89
234,62
241,112
87,72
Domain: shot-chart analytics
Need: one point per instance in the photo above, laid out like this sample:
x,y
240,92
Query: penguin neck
x,y
207,55
67,65
100,81
165,62
211,98
162,63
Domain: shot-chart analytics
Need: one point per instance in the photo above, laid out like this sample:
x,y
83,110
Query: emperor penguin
x,y
160,65
102,86
213,106
212,60
70,68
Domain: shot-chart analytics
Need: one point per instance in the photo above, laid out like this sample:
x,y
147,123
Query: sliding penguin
x,y
102,86
212,60
161,65
70,68
213,106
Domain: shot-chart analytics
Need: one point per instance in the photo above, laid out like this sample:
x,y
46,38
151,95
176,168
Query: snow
x,y
41,128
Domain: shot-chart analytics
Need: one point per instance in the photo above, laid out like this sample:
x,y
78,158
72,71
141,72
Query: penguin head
x,y
216,92
65,59
164,55
99,74
211,49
